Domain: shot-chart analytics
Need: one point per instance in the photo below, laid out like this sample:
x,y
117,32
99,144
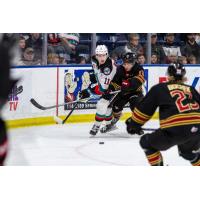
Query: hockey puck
x,y
101,142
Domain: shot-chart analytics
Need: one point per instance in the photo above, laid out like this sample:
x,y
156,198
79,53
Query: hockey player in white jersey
x,y
104,70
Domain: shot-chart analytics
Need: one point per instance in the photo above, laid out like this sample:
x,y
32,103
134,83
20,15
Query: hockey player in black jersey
x,y
179,115
7,44
129,78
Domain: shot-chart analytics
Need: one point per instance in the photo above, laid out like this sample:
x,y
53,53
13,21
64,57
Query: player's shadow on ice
x,y
114,135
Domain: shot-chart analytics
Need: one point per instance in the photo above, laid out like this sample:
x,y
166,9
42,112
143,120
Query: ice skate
x,y
107,128
94,130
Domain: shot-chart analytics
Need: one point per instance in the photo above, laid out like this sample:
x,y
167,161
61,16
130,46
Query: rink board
x,y
49,85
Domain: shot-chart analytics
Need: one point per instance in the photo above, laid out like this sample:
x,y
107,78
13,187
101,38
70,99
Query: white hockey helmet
x,y
101,49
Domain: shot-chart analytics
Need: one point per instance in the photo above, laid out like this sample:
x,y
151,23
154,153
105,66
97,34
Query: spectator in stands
x,y
155,47
141,59
54,44
49,58
197,38
192,60
81,60
172,56
182,60
191,47
170,47
132,46
29,58
22,47
70,42
62,59
53,59
35,41
154,58
83,50
22,43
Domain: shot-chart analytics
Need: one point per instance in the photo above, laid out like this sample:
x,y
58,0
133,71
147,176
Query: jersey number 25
x,y
181,97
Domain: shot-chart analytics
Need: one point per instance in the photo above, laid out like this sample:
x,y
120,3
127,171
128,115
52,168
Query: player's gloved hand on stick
x,y
107,92
125,86
132,128
106,95
84,94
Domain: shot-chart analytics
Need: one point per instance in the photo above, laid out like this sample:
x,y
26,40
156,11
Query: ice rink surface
x,y
71,144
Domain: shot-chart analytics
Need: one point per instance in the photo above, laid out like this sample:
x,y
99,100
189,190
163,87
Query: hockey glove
x,y
106,95
84,94
125,86
132,128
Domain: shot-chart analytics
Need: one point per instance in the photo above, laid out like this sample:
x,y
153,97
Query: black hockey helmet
x,y
129,57
176,70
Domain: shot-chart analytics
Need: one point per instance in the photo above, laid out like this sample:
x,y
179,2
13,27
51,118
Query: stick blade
x,y
57,119
37,105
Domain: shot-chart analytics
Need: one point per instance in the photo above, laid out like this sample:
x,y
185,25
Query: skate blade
x,y
110,130
92,136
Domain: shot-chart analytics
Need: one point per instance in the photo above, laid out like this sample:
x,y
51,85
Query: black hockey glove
x,y
125,88
106,95
84,94
132,128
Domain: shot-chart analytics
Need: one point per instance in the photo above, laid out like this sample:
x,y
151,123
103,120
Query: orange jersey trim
x,y
180,120
140,117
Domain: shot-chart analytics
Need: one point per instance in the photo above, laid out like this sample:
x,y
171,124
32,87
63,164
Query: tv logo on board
x,y
13,98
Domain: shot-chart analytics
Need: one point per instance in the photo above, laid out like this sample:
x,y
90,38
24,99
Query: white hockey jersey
x,y
104,73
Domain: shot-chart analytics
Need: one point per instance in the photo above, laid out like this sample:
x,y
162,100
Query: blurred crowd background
x,y
77,48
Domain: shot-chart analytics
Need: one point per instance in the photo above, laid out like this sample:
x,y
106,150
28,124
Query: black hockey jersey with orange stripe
x,y
178,104
135,76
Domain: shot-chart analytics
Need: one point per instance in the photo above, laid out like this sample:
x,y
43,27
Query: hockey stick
x,y
60,121
39,106
111,101
149,129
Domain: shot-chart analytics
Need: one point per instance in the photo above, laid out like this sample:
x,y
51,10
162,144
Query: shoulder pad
x,y
107,67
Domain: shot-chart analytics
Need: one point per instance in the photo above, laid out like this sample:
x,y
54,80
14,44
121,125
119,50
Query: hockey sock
x,y
2,158
117,115
3,142
102,107
154,157
99,119
3,152
108,117
196,162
